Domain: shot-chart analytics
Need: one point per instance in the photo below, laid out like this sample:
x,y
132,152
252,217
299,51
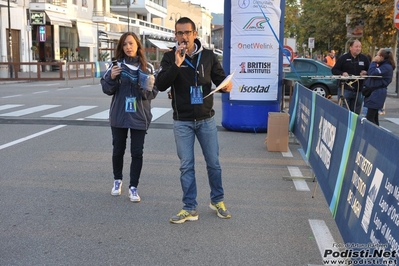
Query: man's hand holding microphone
x,y
180,53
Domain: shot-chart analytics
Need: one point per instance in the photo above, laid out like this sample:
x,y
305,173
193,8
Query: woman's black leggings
x,y
372,116
119,138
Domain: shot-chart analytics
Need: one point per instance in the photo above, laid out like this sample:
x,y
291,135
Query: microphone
x,y
115,63
183,51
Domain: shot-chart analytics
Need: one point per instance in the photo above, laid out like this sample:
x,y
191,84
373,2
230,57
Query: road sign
x,y
311,43
42,33
396,14
287,52
396,21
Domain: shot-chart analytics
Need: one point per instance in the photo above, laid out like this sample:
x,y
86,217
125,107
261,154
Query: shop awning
x,y
163,45
87,34
58,19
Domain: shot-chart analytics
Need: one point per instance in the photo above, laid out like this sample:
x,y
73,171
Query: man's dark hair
x,y
185,20
353,42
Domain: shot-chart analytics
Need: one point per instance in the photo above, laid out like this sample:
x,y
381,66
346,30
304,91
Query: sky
x,y
215,6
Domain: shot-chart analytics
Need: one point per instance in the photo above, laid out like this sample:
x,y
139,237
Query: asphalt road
x,y
56,178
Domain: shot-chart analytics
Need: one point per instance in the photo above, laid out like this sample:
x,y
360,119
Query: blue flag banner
x,y
357,166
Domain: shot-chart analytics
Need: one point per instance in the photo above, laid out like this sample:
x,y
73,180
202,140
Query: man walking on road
x,y
189,70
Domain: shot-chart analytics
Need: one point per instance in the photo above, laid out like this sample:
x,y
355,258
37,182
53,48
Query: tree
x,y
379,31
326,22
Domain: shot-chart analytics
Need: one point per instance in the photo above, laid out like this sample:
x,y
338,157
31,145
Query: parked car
x,y
306,68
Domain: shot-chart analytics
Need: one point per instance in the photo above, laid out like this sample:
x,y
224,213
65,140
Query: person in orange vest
x,y
330,59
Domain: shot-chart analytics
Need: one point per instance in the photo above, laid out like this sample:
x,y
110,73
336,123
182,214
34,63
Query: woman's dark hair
x,y
119,53
387,55
185,20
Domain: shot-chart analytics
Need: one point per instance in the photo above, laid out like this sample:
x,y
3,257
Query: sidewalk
x,y
392,88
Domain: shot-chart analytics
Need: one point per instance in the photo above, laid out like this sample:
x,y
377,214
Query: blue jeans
x,y
354,99
206,133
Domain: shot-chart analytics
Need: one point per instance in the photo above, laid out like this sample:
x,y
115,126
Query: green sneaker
x,y
220,209
183,216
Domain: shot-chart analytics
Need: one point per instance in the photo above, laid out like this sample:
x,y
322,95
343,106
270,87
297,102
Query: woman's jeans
x,y
119,137
206,133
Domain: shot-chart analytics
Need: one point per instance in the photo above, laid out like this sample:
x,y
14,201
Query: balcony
x,y
141,26
59,3
140,7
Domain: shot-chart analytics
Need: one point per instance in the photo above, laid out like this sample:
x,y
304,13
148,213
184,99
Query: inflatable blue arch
x,y
246,115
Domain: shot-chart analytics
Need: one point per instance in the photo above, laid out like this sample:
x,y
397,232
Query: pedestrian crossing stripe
x,y
157,112
101,115
30,110
9,106
70,111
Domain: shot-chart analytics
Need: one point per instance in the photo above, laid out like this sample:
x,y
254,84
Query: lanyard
x,y
195,68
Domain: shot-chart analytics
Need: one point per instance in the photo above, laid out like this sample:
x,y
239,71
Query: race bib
x,y
130,104
196,94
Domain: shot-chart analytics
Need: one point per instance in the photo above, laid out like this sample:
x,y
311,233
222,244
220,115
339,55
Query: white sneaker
x,y
117,188
133,195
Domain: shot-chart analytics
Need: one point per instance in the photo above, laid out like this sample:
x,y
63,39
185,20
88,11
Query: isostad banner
x,y
357,166
254,57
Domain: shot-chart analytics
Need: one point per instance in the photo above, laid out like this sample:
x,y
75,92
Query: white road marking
x,y
158,112
101,115
323,237
30,110
70,111
11,96
287,153
300,184
30,137
9,106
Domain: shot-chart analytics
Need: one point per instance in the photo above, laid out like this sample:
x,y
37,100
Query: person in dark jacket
x,y
383,64
353,63
130,82
189,70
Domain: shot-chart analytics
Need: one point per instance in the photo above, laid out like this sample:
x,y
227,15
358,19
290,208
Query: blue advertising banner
x,y
300,114
357,166
369,202
326,150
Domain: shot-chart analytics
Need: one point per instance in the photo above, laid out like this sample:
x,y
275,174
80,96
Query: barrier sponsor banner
x,y
328,148
357,166
300,115
369,201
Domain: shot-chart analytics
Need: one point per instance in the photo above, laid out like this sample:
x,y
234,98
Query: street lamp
x,y
9,40
175,16
210,36
199,30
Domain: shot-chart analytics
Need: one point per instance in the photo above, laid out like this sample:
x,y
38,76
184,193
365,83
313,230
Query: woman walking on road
x,y
130,82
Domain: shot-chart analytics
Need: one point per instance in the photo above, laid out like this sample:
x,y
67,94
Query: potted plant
x,y
34,52
64,52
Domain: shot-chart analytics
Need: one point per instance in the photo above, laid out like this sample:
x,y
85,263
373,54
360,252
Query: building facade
x,y
88,30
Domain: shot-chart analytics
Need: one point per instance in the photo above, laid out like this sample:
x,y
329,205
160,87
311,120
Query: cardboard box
x,y
277,132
